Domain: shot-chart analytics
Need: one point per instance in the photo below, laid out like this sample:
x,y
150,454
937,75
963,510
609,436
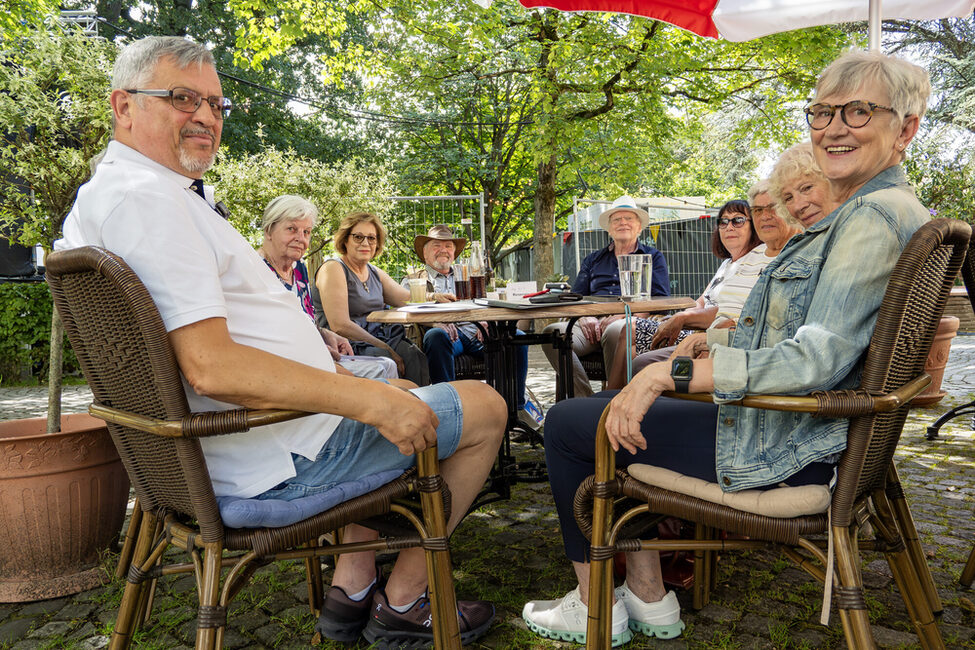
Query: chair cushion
x,y
274,513
782,502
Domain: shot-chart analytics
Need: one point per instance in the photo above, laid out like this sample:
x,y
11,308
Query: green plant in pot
x,y
63,487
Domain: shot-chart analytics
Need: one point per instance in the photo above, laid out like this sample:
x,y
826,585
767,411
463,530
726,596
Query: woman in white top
x,y
747,236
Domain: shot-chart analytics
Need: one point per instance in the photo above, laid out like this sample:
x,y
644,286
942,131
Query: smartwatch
x,y
681,370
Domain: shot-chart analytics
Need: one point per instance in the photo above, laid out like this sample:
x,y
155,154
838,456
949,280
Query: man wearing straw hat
x,y
443,342
599,275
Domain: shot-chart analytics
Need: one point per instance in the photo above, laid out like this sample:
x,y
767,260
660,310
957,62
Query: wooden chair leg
x,y
316,590
848,591
599,626
704,566
127,619
128,545
905,523
968,573
211,617
443,599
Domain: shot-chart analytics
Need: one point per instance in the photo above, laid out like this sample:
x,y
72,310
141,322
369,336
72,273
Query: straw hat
x,y
440,231
627,204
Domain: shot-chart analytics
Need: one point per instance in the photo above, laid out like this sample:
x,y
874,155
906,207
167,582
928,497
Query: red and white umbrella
x,y
743,20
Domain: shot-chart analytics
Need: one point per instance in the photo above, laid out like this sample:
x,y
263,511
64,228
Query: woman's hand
x,y
627,409
449,328
336,342
590,328
405,420
667,332
694,346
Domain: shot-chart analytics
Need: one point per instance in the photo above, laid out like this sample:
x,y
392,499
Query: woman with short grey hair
x,y
287,225
809,320
799,185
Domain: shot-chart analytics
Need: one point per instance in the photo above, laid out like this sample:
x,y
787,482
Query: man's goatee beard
x,y
195,164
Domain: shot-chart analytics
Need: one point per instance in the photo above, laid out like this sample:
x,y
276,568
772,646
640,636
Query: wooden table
x,y
500,343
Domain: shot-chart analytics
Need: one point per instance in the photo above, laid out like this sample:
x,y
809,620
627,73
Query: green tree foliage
x,y
322,131
18,17
246,184
55,112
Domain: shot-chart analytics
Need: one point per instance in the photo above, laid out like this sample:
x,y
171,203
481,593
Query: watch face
x,y
682,368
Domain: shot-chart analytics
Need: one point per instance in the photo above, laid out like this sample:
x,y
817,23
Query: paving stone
x,y
95,642
74,611
11,631
43,607
48,630
887,637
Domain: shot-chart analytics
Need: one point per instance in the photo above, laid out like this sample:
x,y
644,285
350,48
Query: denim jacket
x,y
805,327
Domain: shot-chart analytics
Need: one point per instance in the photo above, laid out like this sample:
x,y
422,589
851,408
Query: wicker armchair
x,y
124,351
866,488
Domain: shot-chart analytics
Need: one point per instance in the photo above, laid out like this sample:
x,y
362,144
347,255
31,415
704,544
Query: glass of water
x,y
636,274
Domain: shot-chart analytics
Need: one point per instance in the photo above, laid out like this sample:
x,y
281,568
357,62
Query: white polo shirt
x,y
197,266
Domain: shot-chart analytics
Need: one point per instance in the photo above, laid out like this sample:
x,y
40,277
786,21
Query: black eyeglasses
x,y
737,222
188,101
357,238
854,114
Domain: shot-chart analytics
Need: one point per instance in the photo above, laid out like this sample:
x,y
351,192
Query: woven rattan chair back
x,y
912,306
122,347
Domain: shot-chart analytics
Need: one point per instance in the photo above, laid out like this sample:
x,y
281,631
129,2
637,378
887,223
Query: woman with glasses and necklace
x,y
805,326
350,288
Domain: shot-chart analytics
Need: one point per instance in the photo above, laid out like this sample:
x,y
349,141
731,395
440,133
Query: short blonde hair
x,y
288,207
797,162
351,221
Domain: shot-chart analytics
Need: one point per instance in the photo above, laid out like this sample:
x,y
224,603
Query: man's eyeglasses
x,y
759,210
854,114
737,222
357,238
188,101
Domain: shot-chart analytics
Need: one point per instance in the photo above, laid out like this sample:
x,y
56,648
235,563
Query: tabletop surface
x,y
558,310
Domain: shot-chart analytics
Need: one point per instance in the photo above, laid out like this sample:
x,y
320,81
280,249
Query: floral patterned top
x,y
300,286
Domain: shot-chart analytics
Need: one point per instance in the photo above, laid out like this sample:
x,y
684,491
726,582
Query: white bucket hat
x,y
624,203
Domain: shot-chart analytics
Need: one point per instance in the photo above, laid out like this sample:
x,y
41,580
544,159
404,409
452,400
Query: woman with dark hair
x,y
350,288
734,239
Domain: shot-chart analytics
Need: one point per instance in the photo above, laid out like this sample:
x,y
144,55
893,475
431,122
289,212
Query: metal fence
x,y
682,234
414,215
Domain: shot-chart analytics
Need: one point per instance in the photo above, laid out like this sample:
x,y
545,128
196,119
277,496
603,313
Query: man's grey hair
x,y
908,86
288,207
137,61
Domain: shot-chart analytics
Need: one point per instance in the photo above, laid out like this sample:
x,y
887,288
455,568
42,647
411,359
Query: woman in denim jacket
x,y
804,327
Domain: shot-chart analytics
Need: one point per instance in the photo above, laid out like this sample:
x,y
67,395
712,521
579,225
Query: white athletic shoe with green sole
x,y
565,619
660,619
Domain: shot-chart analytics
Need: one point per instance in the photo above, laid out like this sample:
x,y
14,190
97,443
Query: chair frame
x,y
124,351
867,486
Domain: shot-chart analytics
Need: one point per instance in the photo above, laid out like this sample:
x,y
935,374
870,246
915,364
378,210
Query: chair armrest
x,y
196,425
829,403
826,403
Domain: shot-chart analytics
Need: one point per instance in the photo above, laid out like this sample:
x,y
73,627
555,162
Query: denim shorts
x,y
355,449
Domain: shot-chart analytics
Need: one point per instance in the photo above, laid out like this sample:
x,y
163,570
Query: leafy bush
x,y
25,320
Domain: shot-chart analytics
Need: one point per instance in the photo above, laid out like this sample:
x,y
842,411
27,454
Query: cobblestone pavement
x,y
510,551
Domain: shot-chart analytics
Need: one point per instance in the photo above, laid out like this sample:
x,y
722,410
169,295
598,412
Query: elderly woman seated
x,y
287,225
804,327
349,288
798,184
746,237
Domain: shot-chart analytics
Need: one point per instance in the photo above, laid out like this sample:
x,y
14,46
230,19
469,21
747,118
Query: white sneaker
x,y
565,619
660,619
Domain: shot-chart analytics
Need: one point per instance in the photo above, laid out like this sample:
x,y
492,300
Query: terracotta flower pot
x,y
936,362
62,502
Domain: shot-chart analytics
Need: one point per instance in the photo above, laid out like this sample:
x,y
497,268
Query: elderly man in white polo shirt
x,y
240,339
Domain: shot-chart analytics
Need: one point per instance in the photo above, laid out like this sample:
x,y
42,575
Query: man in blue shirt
x,y
599,275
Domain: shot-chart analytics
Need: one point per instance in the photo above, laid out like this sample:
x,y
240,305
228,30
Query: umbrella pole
x,y
873,25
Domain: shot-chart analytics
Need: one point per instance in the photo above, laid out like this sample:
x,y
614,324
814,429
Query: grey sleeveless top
x,y
363,299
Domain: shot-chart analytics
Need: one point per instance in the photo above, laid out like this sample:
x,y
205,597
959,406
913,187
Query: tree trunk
x,y
55,370
545,219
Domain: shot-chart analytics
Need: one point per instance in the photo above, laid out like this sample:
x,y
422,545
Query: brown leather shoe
x,y
342,618
412,629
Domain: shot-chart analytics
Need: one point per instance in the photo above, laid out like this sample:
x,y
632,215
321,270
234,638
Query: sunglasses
x,y
737,222
357,238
